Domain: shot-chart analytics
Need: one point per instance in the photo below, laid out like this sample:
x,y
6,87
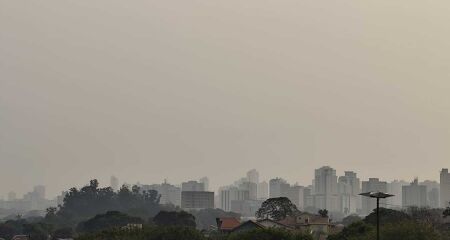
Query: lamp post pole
x,y
377,195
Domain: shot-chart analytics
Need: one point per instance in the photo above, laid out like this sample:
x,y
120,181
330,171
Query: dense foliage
x,y
111,219
412,224
269,234
148,233
89,201
165,218
276,209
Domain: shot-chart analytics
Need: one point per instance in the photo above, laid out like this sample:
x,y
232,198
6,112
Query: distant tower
x,y
40,191
12,196
253,176
205,181
114,183
445,188
263,190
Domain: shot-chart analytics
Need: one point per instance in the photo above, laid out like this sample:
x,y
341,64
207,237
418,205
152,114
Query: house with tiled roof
x,y
248,226
227,224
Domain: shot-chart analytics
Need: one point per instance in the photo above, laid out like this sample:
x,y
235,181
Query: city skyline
x,y
113,181
192,88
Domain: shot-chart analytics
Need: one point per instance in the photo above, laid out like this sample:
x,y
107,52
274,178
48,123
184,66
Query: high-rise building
x,y
325,189
445,188
169,194
263,190
373,185
432,193
253,176
193,186
414,195
395,188
114,183
195,200
39,190
252,189
278,187
296,196
229,194
349,188
205,181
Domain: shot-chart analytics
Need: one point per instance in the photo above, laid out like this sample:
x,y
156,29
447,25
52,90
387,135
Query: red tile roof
x,y
227,223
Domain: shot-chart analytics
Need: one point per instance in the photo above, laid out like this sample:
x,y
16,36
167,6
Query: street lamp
x,y
377,195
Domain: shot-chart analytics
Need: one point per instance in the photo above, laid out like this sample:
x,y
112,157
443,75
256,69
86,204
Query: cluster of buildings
x,y
34,200
338,194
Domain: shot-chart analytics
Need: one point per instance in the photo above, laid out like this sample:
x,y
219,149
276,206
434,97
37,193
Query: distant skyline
x,y
155,90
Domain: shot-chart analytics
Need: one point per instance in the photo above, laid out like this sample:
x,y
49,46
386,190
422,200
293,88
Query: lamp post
x,y
377,195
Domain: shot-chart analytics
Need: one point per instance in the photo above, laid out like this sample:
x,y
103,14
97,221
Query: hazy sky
x,y
148,90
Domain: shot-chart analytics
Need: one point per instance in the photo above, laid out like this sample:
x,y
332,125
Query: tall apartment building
x,y
251,187
432,193
349,188
395,188
414,195
263,190
325,192
253,176
169,194
195,200
205,181
445,188
229,194
373,185
114,183
278,187
192,186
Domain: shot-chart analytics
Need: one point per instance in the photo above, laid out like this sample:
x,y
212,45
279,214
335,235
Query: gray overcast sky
x,y
148,90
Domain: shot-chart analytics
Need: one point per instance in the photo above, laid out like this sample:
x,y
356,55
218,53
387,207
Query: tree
x,y
387,216
111,219
323,212
89,201
350,219
63,233
182,218
446,212
276,209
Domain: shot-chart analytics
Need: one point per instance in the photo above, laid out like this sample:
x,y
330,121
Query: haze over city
x,y
178,90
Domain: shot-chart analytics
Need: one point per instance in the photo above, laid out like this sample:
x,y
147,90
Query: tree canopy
x,y
108,220
89,201
165,218
276,209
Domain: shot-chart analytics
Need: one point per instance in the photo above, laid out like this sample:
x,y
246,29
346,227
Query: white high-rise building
x,y
170,194
253,176
445,188
326,189
278,187
373,185
263,190
229,194
432,193
349,188
205,181
114,183
192,186
395,188
251,187
414,195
